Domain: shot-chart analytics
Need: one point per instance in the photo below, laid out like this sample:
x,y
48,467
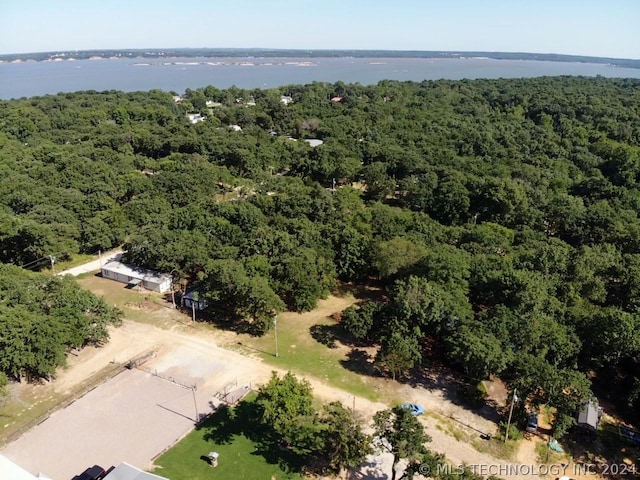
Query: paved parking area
x,y
130,418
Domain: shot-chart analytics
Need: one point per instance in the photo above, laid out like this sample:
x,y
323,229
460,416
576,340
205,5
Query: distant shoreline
x,y
286,53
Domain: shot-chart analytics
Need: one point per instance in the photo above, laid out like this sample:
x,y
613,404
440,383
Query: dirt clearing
x,y
137,414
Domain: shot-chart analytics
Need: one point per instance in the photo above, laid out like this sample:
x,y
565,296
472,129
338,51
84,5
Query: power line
x,y
39,260
26,265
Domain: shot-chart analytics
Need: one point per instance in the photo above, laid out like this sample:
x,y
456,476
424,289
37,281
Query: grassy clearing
x,y
546,455
232,434
302,354
140,306
497,448
298,350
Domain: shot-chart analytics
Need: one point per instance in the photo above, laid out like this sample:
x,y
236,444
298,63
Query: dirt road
x,y
197,358
94,264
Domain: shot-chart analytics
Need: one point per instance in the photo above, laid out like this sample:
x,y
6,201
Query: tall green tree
x,y
399,352
345,444
400,433
286,407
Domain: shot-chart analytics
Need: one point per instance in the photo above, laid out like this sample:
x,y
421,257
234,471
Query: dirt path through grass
x,y
134,338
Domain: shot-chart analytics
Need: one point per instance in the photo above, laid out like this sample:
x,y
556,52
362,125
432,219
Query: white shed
x,y
149,279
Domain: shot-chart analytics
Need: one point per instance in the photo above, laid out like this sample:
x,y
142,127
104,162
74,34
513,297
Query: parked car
x,y
532,423
92,473
414,408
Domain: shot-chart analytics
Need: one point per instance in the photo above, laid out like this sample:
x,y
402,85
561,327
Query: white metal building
x,y
124,471
134,276
12,471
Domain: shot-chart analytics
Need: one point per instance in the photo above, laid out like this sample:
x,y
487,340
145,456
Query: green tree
x,y
400,433
345,444
256,300
4,381
285,406
419,302
379,183
395,255
360,321
399,352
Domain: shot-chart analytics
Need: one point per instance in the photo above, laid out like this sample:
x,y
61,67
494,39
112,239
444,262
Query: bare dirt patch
x,y
187,353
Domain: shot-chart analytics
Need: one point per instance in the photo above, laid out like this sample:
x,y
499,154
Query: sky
x,y
608,28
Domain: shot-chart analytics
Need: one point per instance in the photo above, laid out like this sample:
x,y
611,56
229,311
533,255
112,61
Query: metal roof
x,y
124,471
589,414
190,294
136,272
13,471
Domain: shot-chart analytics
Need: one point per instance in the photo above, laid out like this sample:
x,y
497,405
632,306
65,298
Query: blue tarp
x,y
555,446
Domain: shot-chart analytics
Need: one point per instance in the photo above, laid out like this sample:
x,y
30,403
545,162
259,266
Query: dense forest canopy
x,y
501,216
42,318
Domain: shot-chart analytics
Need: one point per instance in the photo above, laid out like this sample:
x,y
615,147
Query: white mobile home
x,y
134,276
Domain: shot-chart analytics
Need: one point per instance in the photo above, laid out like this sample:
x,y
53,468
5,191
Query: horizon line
x,y
308,50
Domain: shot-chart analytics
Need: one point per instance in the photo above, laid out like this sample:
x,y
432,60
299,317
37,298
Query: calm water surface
x,y
177,74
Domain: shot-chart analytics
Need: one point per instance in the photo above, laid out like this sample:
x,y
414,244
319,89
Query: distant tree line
x,y
253,53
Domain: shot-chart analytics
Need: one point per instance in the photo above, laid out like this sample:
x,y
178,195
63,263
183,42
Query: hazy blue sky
x,y
583,27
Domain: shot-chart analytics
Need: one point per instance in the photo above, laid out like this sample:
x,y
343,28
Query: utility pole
x,y
195,404
514,399
275,330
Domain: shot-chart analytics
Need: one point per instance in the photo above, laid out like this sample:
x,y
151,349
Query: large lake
x,y
27,79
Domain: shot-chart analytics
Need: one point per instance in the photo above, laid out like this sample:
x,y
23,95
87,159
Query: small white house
x,y
286,99
195,118
134,276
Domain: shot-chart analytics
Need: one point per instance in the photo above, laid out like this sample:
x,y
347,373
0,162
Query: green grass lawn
x,y
243,451
301,353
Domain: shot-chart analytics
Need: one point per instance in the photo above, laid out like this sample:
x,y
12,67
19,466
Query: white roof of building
x,y
124,471
10,470
314,142
136,272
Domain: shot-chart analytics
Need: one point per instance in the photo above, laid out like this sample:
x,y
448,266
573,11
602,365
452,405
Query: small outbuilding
x,y
134,276
589,416
194,298
314,142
